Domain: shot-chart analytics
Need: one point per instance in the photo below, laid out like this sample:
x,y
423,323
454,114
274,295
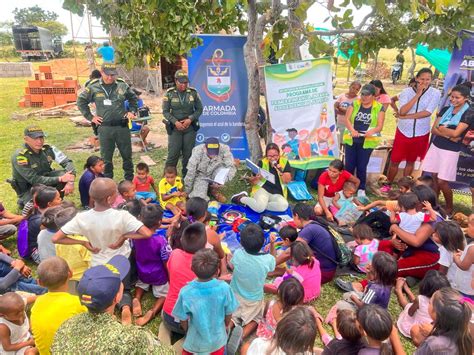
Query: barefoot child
x,y
172,196
151,256
15,336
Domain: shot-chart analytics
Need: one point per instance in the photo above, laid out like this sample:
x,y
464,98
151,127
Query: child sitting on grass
x,y
172,196
409,219
151,256
305,269
288,235
126,193
15,336
93,168
204,307
53,308
250,271
107,231
367,246
144,183
290,294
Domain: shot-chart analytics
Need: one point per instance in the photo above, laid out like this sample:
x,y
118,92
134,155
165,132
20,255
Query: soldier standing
x,y
182,107
32,165
109,94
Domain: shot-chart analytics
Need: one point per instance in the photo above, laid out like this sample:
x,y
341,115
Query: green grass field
x,y
61,132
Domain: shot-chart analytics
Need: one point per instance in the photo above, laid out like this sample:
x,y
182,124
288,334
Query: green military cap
x,y
109,69
34,132
181,76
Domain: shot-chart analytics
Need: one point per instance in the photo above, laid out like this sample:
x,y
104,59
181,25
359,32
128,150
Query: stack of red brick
x,y
46,92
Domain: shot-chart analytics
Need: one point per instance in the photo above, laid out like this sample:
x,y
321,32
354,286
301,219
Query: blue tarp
x,y
439,58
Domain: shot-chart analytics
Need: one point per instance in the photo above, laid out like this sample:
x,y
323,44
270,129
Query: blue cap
x,y
212,146
100,284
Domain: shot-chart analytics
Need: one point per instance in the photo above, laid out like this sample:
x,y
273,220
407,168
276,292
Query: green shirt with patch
x,y
178,106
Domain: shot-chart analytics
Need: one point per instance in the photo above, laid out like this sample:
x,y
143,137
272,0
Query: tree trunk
x,y
411,70
250,57
294,29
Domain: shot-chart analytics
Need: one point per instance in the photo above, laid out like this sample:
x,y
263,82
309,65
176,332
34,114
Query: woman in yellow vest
x,y
265,195
364,122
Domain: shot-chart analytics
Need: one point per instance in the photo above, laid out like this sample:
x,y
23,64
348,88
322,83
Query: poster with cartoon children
x,y
301,111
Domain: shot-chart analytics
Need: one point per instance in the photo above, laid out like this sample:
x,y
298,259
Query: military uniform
x,y
201,168
30,168
109,100
178,106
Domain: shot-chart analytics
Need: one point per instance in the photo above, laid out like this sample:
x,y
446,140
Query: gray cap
x,y
367,89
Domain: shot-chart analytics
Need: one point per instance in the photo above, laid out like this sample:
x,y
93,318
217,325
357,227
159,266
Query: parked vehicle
x,y
36,43
396,72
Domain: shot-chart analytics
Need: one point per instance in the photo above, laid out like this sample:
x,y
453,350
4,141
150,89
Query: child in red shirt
x,y
144,183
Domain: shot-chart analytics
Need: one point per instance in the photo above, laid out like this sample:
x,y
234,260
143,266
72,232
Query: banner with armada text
x,y
301,109
217,71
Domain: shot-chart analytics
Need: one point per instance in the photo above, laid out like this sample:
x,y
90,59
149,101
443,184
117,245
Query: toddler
x,y
250,271
348,338
367,246
180,274
376,324
76,256
204,307
172,196
126,193
53,308
405,184
416,312
143,183
305,269
93,168
464,260
288,235
15,336
409,219
450,332
347,194
107,231
294,334
151,256
290,294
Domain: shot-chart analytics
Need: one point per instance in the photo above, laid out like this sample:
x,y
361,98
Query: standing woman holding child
x,y
448,131
364,122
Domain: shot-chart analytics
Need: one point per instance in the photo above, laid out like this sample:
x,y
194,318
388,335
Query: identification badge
x,y
107,102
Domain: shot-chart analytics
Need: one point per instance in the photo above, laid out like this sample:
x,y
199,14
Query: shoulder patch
x,y
21,160
120,80
170,90
93,81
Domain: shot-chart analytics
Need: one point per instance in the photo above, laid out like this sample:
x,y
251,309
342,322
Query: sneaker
x,y
361,193
235,338
344,285
235,199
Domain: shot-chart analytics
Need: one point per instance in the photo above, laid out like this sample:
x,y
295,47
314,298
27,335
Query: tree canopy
x,y
36,16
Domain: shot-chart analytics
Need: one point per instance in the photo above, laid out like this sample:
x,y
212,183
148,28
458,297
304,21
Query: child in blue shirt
x,y
205,307
250,271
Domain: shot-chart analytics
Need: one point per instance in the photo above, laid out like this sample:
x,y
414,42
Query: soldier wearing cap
x,y
32,165
203,166
109,94
181,107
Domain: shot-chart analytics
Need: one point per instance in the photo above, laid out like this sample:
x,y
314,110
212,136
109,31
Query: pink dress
x,y
309,277
266,327
405,322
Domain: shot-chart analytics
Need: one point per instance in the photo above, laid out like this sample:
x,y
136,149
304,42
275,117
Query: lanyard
x,y
181,99
105,91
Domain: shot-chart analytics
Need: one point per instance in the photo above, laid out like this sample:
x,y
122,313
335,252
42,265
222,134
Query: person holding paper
x,y
266,195
211,165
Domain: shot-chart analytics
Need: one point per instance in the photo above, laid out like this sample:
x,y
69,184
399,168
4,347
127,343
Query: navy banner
x,y
217,71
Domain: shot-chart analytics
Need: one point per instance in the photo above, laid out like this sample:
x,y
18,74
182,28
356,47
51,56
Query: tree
x,y
164,29
6,36
36,16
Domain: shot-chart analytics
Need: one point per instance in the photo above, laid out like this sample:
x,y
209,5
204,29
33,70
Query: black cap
x,y
34,132
181,76
109,69
212,146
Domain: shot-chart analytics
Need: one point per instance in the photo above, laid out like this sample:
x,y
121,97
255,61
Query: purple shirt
x,y
320,242
84,184
151,255
377,294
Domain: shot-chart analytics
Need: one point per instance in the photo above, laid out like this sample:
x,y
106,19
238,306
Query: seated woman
x,y
448,131
329,184
266,195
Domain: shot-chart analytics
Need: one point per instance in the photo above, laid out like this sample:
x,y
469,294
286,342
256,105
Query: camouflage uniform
x,y
30,168
89,333
178,106
201,167
114,129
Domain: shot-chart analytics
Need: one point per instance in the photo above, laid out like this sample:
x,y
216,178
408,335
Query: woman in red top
x,y
329,183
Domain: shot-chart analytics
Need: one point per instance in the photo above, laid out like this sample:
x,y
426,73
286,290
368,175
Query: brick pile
x,y
47,92
14,70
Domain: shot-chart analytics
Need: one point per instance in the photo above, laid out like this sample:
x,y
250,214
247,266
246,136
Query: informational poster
x,y
300,104
217,71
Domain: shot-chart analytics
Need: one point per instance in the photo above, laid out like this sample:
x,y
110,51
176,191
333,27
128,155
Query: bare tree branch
x,y
357,30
